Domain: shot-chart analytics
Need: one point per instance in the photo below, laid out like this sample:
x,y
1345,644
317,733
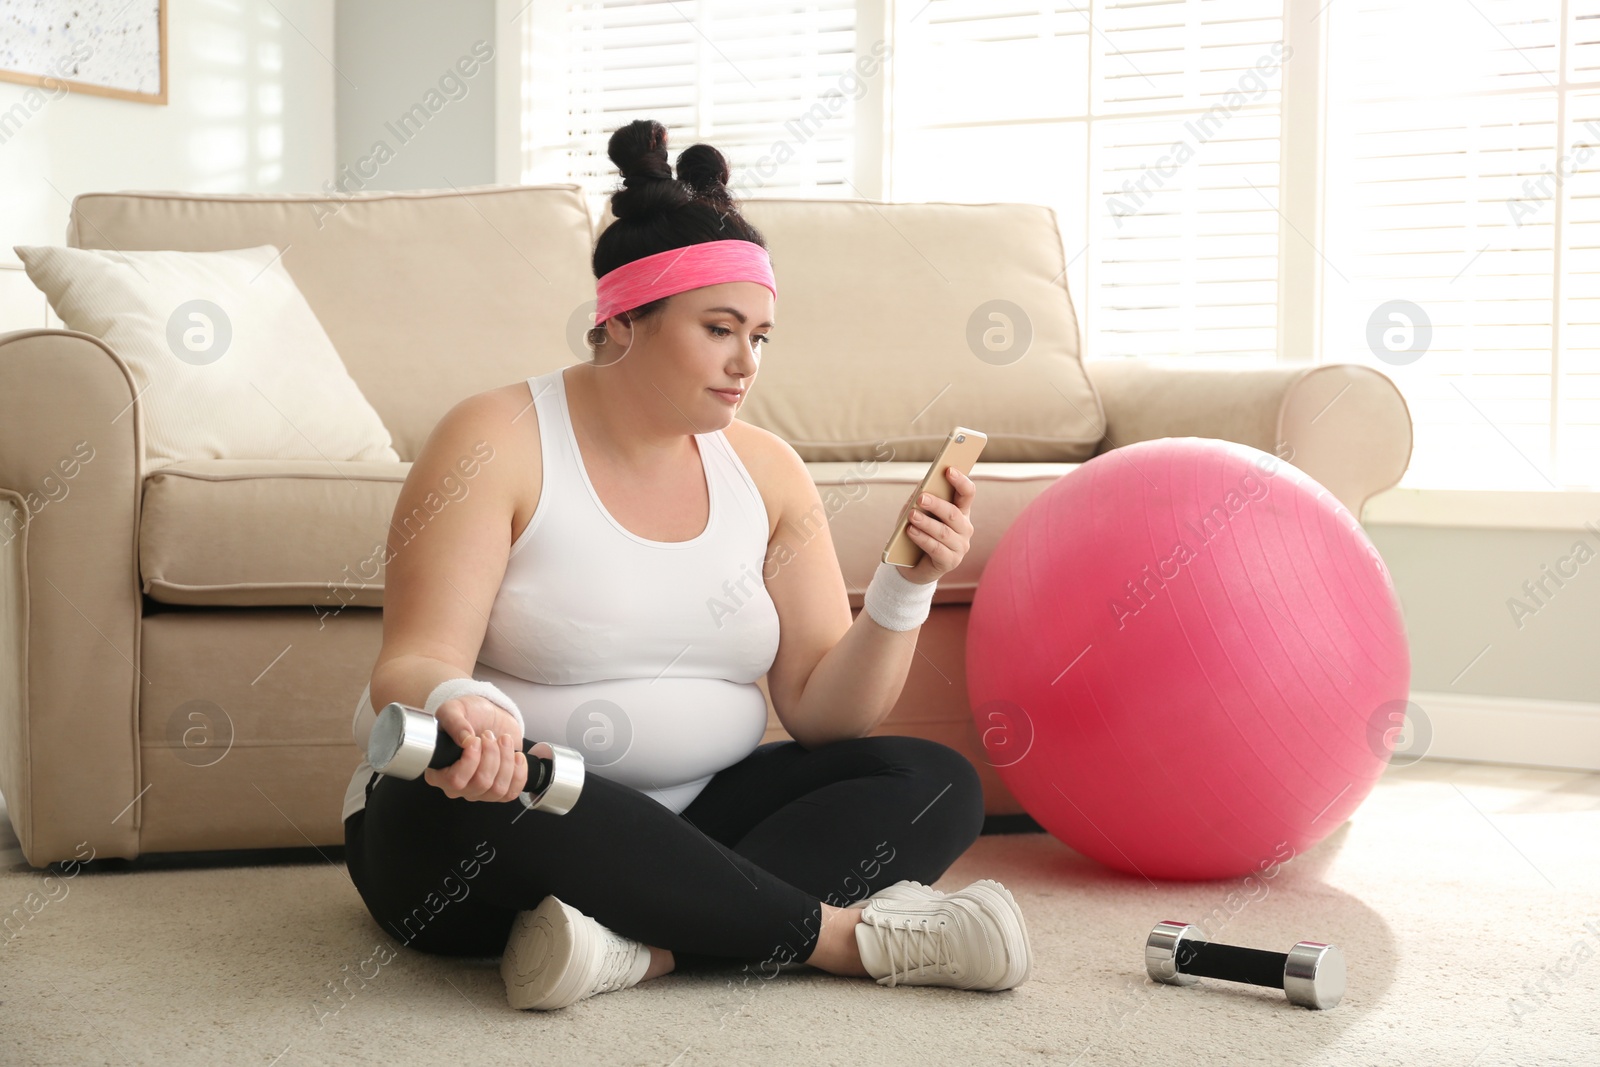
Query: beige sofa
x,y
181,649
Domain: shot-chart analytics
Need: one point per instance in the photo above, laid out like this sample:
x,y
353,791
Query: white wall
x,y
421,112
251,91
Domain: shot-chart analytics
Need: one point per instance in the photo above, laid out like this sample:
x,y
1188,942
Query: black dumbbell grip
x,y
446,752
1231,963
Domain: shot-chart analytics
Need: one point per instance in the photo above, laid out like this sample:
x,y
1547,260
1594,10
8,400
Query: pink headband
x,y
680,269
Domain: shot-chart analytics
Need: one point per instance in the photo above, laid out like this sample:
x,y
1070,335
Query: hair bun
x,y
639,151
704,169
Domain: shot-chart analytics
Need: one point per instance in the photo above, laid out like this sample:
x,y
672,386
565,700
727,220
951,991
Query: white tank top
x,y
642,655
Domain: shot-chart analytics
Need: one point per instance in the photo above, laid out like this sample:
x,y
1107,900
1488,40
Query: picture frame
x,y
117,48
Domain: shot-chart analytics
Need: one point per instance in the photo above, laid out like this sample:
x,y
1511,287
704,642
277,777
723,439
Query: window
x,y
1455,222
1463,223
1152,129
772,84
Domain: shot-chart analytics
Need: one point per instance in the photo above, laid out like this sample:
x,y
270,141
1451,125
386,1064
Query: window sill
x,y
1502,508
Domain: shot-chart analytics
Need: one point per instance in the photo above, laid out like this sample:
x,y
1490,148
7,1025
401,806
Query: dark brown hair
x,y
656,212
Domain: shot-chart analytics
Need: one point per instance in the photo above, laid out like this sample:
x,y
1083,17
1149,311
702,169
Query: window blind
x,y
1462,230
752,77
1152,128
1460,202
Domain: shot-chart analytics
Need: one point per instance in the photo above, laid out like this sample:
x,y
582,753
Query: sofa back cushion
x,y
210,332
897,322
428,296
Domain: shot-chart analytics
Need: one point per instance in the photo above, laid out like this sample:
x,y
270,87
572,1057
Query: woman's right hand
x,y
492,764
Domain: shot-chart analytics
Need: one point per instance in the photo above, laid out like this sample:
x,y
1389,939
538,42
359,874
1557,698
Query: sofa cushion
x,y
305,532
215,333
897,322
864,499
253,532
428,296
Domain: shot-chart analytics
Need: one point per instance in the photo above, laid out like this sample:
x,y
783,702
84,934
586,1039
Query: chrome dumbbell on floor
x,y
405,741
1310,974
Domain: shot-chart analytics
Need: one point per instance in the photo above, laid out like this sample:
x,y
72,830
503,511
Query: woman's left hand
x,y
942,529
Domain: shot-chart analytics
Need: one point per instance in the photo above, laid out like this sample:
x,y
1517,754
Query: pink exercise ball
x,y
1184,660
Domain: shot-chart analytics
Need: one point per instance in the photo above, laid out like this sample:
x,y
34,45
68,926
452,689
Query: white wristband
x,y
895,602
451,688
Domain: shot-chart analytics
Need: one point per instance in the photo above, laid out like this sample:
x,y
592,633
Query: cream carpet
x,y
1464,897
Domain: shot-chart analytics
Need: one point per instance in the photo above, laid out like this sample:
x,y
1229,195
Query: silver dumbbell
x,y
405,741
1311,974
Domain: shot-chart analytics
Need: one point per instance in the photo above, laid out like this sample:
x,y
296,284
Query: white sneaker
x,y
556,955
905,889
974,938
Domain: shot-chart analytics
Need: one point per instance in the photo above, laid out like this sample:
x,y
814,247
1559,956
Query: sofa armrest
x,y
71,468
1344,424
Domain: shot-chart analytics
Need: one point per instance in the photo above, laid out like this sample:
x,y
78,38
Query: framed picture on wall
x,y
117,48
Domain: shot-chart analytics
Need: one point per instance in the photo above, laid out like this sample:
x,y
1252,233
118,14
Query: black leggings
x,y
739,875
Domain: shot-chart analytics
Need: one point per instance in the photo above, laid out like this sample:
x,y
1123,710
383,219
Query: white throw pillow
x,y
229,360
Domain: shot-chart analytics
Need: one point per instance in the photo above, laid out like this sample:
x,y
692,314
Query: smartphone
x,y
960,451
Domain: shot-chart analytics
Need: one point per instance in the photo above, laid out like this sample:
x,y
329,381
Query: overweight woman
x,y
629,561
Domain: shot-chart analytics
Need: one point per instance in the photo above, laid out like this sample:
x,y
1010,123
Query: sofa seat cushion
x,y
255,532
304,532
863,499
